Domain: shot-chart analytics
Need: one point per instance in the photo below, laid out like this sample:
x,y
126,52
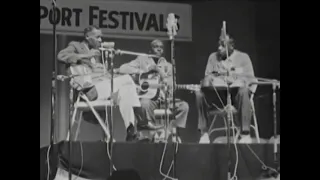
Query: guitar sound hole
x,y
144,86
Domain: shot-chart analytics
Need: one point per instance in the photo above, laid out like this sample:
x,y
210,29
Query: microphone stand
x,y
109,54
173,98
269,172
275,84
54,107
229,103
53,93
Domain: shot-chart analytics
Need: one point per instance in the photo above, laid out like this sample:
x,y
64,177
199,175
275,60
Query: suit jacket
x,y
76,64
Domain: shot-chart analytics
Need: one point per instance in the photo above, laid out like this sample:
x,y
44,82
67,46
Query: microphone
x,y
108,49
224,35
107,46
63,77
224,26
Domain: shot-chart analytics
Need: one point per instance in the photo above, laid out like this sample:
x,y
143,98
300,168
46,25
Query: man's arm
x,y
69,55
211,65
133,67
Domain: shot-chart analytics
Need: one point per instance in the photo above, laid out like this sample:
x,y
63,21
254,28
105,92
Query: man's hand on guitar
x,y
85,58
153,68
160,71
97,67
92,53
168,85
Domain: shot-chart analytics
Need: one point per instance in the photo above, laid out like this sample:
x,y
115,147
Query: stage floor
x,y
193,161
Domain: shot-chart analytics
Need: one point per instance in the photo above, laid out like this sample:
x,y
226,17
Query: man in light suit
x,y
84,58
164,68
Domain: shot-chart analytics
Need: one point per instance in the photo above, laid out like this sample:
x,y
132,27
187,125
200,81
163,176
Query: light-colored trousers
x,y
125,94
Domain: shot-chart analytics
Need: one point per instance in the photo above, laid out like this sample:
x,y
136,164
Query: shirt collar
x,y
85,46
232,56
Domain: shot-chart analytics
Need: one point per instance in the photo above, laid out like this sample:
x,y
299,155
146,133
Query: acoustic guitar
x,y
149,85
84,77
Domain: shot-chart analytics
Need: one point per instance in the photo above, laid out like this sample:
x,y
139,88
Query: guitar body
x,y
145,82
86,77
79,69
150,87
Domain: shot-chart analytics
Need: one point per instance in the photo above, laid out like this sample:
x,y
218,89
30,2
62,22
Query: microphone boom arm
x,y
121,52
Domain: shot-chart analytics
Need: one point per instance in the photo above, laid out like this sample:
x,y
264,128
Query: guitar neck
x,y
182,86
192,87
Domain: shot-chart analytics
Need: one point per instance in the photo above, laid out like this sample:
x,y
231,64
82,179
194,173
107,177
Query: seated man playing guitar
x,y
163,69
84,59
215,77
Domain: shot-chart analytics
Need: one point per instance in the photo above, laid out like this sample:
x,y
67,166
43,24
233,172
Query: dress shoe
x,y
204,139
176,138
107,140
149,126
131,134
245,139
131,137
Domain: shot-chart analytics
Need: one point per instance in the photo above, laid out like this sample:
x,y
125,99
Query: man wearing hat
x,y
209,97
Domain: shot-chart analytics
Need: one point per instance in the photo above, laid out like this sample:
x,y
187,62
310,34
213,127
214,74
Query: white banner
x,y
124,19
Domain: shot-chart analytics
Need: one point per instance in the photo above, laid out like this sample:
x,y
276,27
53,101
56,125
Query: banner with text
x,y
124,19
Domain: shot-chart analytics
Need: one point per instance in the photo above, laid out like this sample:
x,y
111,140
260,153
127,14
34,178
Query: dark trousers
x,y
182,110
240,100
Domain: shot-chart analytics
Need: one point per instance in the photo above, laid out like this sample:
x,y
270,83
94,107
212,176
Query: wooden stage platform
x,y
194,161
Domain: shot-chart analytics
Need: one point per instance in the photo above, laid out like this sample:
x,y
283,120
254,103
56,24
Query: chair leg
x,y
78,127
235,130
211,130
72,122
107,117
74,113
219,129
104,127
256,128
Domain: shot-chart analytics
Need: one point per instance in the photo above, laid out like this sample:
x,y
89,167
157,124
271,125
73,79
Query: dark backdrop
x,y
255,27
